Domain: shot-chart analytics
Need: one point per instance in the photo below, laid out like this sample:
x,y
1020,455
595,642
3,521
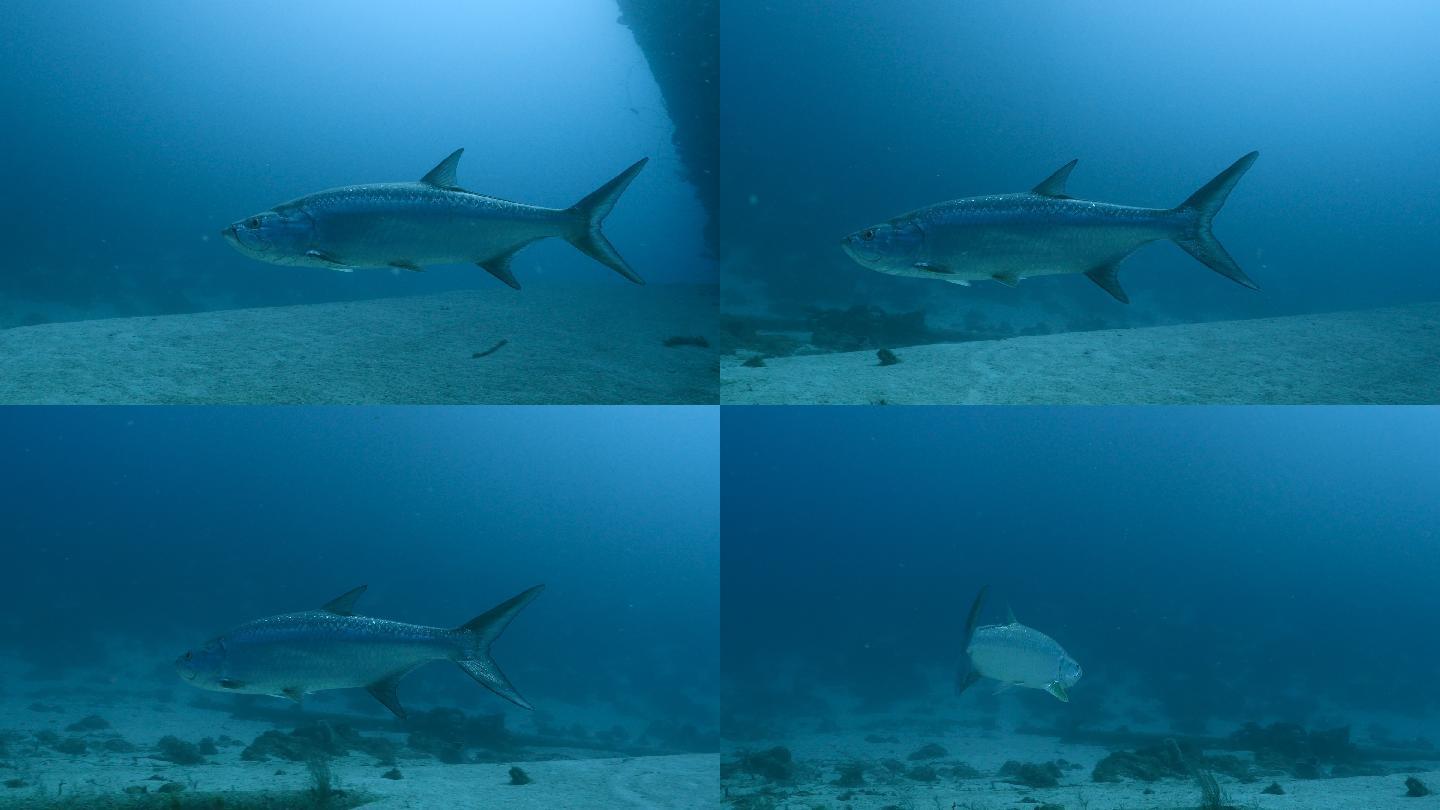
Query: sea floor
x,y
1380,356
570,344
99,741
895,771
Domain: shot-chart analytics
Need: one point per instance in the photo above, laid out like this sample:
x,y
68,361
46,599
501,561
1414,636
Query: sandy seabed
x,y
577,344
1380,356
820,756
141,709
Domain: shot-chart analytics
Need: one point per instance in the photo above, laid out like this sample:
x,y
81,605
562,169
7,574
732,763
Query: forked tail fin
x,y
966,675
591,213
479,633
1200,210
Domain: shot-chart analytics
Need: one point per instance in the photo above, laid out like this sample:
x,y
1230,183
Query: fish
x,y
295,654
1015,655
1042,232
433,221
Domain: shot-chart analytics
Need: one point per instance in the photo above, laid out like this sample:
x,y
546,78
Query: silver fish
x,y
434,221
331,648
1016,655
1008,237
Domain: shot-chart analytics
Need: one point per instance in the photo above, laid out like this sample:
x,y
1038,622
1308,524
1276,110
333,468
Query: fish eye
x,y
867,234
188,656
252,223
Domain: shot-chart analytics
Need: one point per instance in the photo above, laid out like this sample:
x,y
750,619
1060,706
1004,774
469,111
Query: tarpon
x,y
1042,232
1015,655
434,221
331,648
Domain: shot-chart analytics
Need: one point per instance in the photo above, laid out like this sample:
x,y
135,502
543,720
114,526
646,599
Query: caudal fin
x,y
1200,210
591,213
966,676
479,633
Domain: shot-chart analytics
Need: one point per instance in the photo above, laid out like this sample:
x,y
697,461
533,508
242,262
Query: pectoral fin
x,y
1058,690
405,264
931,267
329,260
1003,688
293,693
1008,279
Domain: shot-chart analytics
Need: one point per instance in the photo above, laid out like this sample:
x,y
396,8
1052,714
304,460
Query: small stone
x,y
1274,789
519,777
1414,787
887,357
393,773
171,787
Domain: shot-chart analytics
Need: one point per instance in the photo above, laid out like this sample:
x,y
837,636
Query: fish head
x,y
890,247
1070,671
271,236
204,666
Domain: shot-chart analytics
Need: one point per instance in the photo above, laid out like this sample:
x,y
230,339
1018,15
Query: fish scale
x,y
294,654
1010,237
432,221
1015,655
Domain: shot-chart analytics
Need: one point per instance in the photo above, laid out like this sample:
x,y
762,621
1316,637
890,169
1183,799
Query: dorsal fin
x,y
1054,185
443,175
344,605
1010,614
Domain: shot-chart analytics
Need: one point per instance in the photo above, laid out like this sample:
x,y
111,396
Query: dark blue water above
x,y
137,130
1226,559
842,115
127,527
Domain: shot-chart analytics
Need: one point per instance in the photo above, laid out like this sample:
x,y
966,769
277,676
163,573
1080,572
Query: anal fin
x,y
499,267
386,690
1108,277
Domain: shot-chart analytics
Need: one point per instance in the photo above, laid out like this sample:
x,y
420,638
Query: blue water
x,y
840,115
137,130
1217,566
131,535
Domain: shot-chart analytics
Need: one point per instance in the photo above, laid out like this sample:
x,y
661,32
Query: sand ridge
x,y
1382,356
570,344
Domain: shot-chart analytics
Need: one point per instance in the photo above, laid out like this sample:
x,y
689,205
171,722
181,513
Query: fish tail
x,y
479,633
1199,211
591,213
966,676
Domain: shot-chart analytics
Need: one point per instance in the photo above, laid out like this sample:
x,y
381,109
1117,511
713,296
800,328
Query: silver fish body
x,y
1021,656
294,654
432,221
1009,237
1015,655
317,650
